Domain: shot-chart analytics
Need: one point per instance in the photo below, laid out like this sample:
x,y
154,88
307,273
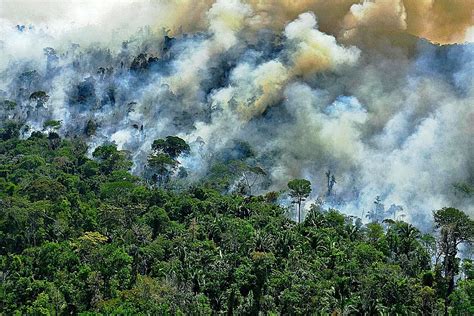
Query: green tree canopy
x,y
173,146
299,191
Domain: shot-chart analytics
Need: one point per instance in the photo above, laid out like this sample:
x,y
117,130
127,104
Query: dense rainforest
x,y
80,234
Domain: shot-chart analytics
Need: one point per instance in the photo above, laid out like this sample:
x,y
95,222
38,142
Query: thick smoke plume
x,y
361,88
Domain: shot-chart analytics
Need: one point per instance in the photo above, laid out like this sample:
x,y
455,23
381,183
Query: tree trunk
x,y
299,212
450,267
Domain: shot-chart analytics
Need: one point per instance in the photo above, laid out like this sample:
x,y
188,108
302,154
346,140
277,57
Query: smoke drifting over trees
x,y
361,89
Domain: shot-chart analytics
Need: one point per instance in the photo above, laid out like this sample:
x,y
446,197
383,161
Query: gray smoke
x,y
389,117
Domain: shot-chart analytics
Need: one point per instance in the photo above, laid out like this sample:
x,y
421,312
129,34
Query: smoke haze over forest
x,y
380,93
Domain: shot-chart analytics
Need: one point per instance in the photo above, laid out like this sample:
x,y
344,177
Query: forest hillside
x,y
82,235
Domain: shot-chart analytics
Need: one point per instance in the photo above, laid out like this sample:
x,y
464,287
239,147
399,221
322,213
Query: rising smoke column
x,y
310,85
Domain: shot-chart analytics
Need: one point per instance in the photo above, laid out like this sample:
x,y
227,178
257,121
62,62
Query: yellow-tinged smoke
x,y
256,87
314,50
440,21
384,124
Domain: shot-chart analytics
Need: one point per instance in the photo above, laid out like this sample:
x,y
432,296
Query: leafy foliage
x,y
83,235
299,191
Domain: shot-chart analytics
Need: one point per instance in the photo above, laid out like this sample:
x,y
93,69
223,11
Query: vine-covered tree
x,y
455,228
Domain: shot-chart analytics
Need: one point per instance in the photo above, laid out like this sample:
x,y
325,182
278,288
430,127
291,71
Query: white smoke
x,y
392,120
